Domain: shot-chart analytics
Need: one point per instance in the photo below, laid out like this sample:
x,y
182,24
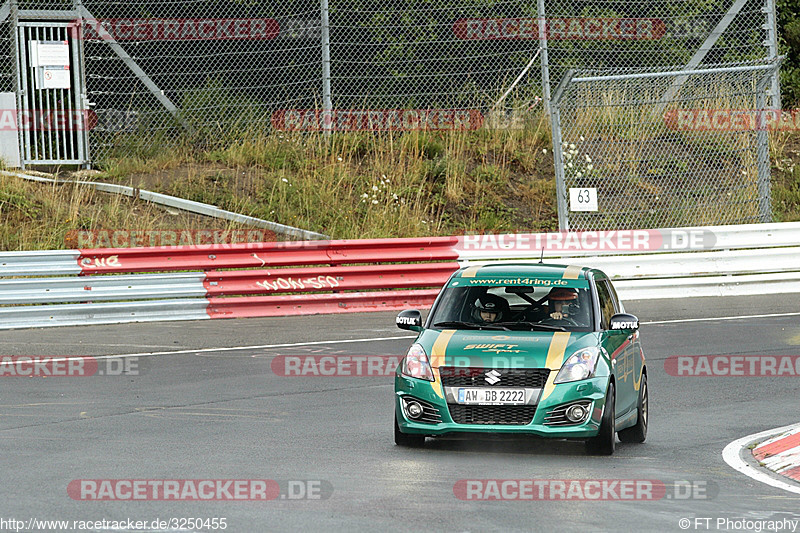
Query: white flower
x,y
544,150
383,176
374,201
374,187
571,146
579,174
582,139
338,158
589,167
365,195
424,221
588,159
395,197
569,165
285,180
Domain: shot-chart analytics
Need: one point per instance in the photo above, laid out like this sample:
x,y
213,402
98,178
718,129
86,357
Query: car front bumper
x,y
593,390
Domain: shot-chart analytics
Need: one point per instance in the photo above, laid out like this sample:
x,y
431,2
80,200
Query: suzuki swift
x,y
528,349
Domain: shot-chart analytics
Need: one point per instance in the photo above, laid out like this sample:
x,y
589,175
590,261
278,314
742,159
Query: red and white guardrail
x,y
90,286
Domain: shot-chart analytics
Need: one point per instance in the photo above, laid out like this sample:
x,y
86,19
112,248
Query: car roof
x,y
528,269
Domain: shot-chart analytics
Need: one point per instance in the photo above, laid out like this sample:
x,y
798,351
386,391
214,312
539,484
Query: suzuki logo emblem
x,y
492,377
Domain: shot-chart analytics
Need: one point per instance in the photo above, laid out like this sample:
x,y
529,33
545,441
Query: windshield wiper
x,y
533,325
469,325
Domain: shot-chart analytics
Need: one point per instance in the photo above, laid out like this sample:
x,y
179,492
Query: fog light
x,y
576,413
414,409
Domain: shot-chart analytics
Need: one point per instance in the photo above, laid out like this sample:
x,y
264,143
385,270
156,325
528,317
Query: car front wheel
x,y
407,439
605,441
638,432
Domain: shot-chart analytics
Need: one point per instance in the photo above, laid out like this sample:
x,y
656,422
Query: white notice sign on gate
x,y
54,78
49,53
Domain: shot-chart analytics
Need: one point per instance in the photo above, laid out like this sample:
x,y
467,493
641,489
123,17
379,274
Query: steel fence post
x,y
558,152
327,125
543,55
772,45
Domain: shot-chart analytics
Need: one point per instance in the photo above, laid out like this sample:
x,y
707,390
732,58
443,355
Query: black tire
x,y
408,440
638,433
605,441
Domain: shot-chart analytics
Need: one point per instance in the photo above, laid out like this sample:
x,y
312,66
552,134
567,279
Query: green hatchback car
x,y
535,349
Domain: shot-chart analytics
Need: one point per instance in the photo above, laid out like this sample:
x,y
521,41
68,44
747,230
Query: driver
x,y
491,308
560,299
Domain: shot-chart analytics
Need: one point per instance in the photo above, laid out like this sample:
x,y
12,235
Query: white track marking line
x,y
201,350
679,320
732,455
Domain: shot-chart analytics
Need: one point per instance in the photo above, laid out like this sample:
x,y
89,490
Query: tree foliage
x,y
789,46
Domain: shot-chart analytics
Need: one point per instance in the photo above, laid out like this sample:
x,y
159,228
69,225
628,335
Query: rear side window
x,y
606,303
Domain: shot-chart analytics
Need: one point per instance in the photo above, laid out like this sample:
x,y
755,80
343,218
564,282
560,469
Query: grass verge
x,y
355,185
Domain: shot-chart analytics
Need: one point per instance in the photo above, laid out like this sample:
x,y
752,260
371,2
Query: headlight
x,y
580,365
416,364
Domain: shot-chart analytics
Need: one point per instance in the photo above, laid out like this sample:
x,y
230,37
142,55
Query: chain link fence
x,y
229,68
224,69
698,157
6,50
225,66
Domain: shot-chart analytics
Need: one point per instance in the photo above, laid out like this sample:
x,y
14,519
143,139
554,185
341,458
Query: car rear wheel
x,y
605,441
407,439
638,432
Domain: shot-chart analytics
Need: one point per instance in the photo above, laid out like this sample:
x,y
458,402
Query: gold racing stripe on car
x,y
437,358
470,272
572,272
555,358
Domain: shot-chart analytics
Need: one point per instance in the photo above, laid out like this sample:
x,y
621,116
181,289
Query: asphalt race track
x,y
206,414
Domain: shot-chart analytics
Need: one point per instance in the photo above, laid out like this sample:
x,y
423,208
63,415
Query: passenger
x,y
561,300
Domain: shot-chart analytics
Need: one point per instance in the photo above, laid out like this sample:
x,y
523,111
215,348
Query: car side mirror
x,y
624,321
409,319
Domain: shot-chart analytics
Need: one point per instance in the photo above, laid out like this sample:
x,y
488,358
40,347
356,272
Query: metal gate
x,y
53,119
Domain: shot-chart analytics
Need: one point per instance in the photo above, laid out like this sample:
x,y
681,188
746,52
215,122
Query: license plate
x,y
486,396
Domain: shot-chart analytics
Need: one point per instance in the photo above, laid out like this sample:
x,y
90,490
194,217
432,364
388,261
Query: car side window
x,y
617,304
606,303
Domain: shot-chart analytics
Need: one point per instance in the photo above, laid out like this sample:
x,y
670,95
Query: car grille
x,y
492,414
509,377
430,414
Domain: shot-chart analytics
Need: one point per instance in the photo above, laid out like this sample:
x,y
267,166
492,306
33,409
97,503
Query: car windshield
x,y
511,307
